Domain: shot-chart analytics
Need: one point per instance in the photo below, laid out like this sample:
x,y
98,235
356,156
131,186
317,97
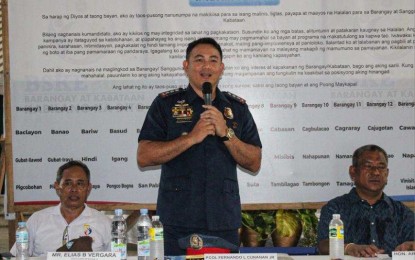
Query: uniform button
x,y
372,223
373,241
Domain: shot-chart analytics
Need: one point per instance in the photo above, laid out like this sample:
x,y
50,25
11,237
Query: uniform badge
x,y
227,112
196,242
182,112
234,125
87,229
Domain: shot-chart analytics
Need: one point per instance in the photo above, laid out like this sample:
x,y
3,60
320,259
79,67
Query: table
x,y
284,250
281,256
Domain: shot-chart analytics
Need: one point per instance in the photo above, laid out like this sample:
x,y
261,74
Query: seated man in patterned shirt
x,y
373,222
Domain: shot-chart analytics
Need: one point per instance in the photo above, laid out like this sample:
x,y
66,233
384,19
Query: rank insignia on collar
x,y
182,112
171,92
196,242
234,97
227,112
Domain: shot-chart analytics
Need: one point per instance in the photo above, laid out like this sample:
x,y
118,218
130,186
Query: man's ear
x,y
352,172
222,67
89,188
185,65
57,188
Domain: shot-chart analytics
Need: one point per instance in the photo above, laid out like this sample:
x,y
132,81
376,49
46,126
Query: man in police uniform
x,y
199,147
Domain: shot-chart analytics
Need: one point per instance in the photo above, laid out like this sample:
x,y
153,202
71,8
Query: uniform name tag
x,y
83,256
403,255
249,256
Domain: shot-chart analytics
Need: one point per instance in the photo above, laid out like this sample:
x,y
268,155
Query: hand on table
x,y
406,246
363,250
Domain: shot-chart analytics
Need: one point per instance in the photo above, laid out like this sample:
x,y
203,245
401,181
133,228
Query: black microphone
x,y
207,93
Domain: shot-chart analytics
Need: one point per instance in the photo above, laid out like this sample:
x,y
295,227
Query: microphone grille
x,y
207,88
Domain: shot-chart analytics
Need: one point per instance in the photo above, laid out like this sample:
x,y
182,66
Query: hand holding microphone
x,y
212,115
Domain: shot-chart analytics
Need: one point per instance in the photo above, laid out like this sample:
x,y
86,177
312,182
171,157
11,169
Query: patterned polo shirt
x,y
386,224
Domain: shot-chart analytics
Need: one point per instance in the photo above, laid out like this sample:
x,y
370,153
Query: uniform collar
x,y
192,96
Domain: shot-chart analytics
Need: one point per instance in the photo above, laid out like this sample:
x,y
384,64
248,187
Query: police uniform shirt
x,y
198,188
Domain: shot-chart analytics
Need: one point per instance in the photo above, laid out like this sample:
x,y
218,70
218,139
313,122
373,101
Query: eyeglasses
x,y
372,168
80,184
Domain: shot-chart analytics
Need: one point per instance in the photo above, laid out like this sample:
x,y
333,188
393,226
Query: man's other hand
x,y
406,246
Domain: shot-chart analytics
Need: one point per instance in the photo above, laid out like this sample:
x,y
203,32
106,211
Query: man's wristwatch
x,y
229,135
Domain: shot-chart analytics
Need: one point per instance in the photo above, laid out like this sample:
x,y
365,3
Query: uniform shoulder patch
x,y
171,92
234,97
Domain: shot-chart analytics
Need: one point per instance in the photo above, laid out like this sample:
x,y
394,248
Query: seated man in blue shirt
x,y
373,222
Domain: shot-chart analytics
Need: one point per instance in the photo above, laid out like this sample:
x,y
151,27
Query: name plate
x,y
83,256
403,255
249,256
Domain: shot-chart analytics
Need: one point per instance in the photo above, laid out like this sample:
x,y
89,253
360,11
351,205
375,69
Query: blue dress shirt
x,y
386,224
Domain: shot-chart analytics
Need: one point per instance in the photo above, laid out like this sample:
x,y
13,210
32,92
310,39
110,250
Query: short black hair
x,y
205,40
371,148
72,164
